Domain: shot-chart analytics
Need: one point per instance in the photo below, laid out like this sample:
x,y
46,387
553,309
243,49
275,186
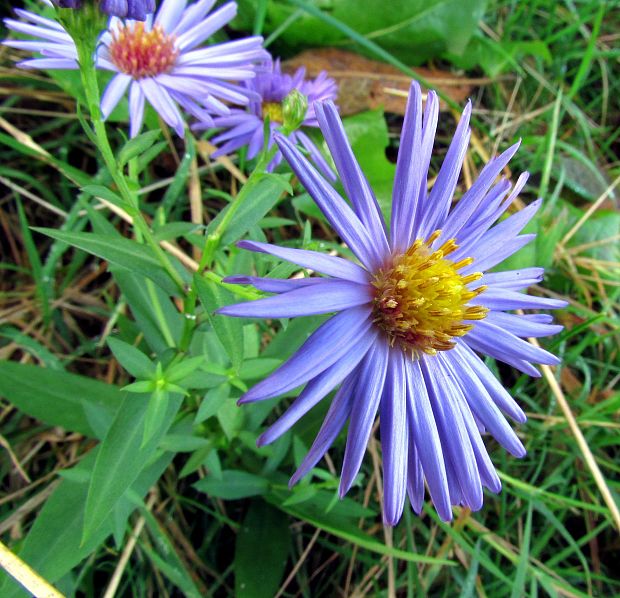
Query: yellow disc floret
x,y
420,299
141,53
273,110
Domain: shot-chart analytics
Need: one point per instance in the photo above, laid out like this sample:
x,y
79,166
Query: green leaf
x,y
263,526
180,443
233,485
71,82
259,201
212,402
167,560
469,587
518,588
178,184
603,226
496,57
300,494
332,521
155,417
150,154
258,368
181,370
105,193
141,386
412,30
119,251
33,346
131,358
54,545
231,418
196,460
74,174
174,230
43,290
583,175
136,146
122,456
214,465
76,403
228,330
368,135
152,309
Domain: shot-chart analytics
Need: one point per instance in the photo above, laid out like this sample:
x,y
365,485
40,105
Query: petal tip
x,y
263,439
244,399
519,452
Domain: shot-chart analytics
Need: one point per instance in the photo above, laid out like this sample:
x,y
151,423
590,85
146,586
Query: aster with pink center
x,y
161,61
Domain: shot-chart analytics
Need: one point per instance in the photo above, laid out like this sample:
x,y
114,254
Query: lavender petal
x,y
309,300
326,264
438,203
408,177
334,421
353,180
427,440
482,405
317,388
521,326
336,210
453,431
339,333
373,373
394,439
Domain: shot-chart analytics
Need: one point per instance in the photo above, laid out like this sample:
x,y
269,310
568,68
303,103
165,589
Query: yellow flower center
x,y
421,300
273,110
141,53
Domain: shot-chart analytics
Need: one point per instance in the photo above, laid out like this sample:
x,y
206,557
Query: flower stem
x,y
214,239
91,89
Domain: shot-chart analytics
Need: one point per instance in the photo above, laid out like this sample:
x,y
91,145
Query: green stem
x,y
213,240
91,89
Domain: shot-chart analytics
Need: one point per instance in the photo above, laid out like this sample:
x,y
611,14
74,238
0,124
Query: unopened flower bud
x,y
129,9
294,108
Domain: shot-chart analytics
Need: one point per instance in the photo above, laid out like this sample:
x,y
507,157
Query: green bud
x,y
85,24
294,108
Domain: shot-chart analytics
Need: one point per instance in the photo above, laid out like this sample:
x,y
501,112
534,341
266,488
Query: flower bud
x,y
129,9
294,108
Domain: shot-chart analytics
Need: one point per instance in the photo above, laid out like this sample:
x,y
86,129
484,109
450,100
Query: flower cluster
x,y
420,304
411,318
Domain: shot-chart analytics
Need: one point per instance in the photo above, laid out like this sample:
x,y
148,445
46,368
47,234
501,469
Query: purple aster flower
x,y
130,9
246,127
412,318
160,61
